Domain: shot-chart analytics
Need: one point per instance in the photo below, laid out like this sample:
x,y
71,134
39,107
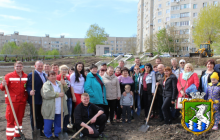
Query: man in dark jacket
x,y
39,80
86,111
159,82
137,63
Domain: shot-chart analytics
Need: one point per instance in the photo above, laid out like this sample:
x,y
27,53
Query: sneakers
x,y
81,135
215,128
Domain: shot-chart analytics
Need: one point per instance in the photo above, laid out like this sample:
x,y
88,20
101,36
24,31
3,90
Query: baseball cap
x,y
182,60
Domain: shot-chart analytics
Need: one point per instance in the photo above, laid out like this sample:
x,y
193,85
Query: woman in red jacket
x,y
187,79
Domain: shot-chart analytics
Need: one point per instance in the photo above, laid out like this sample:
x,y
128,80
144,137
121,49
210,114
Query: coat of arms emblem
x,y
197,114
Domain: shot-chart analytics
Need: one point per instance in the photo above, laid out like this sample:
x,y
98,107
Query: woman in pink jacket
x,y
187,79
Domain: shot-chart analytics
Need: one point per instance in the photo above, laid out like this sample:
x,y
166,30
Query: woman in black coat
x,y
169,94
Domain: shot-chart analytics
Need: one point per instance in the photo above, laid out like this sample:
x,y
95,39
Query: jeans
x,y
126,109
147,98
166,110
69,106
137,100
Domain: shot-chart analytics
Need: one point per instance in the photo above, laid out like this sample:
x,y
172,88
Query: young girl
x,y
213,92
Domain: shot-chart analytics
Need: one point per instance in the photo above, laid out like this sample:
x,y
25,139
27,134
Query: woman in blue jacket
x,y
95,87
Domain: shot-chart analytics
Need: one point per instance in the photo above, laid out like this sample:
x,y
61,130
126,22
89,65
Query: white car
x,y
128,55
165,55
107,55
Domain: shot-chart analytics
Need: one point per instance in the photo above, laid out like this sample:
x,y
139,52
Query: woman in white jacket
x,y
147,84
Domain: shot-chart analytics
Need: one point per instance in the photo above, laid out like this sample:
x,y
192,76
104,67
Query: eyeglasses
x,y
136,69
182,63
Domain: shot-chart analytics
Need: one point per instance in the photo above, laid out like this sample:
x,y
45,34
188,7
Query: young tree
x,y
9,48
150,44
207,25
95,35
77,49
41,51
131,45
28,49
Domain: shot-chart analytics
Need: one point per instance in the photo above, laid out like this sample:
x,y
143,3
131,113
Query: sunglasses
x,y
136,69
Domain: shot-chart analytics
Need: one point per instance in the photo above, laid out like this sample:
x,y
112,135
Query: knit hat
x,y
215,76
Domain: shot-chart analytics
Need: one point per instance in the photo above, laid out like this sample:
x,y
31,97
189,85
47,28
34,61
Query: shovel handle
x,y
33,101
12,108
79,130
61,103
151,105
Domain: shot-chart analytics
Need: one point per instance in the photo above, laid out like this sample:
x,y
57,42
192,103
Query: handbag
x,y
180,99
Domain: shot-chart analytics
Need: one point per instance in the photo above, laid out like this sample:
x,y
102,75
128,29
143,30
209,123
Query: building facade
x,y
154,15
115,44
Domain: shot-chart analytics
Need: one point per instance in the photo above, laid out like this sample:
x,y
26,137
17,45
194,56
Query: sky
x,y
71,18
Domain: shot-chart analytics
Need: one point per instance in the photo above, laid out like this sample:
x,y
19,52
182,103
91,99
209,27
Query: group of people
x,y
101,95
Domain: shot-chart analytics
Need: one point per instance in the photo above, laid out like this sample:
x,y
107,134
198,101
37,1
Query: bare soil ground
x,y
70,62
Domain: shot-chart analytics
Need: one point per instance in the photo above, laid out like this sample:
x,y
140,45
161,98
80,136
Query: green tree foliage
x,y
28,49
9,48
207,25
41,51
77,49
164,41
95,35
53,52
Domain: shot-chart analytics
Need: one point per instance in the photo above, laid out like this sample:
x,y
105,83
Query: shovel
x,y
145,127
36,132
62,135
79,130
14,114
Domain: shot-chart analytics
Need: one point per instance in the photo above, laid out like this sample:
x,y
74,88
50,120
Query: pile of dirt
x,y
70,62
197,62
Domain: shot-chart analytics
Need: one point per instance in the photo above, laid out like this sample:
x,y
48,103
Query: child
x,y
126,103
213,92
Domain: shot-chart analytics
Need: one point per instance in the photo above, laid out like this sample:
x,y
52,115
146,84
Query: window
x,y
168,11
112,41
45,42
175,15
168,19
159,20
184,23
194,14
175,24
159,13
71,42
167,3
66,43
194,6
215,3
182,15
39,42
184,6
173,8
159,28
159,6
205,4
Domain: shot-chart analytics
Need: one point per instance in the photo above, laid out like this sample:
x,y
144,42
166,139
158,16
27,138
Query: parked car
x,y
128,55
148,54
186,55
107,55
117,54
165,55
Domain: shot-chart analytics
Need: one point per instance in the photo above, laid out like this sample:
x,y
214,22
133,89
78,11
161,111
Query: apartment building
x,y
115,44
153,15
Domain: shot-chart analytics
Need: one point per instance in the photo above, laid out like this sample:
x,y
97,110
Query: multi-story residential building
x,y
153,15
116,44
